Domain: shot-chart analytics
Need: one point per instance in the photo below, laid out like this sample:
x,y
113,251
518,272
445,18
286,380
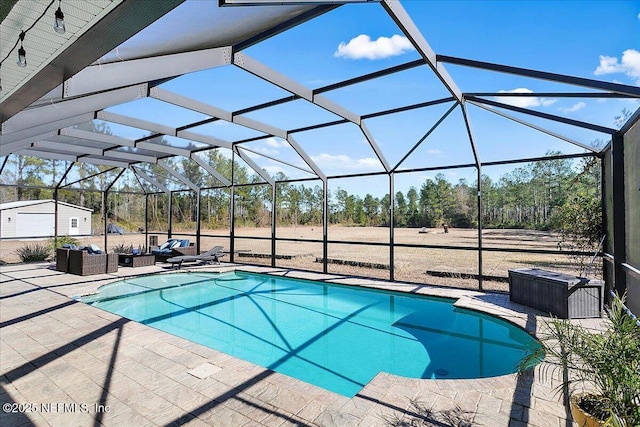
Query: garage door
x,y
35,224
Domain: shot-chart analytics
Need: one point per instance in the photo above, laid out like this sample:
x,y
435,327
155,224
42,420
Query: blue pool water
x,y
336,337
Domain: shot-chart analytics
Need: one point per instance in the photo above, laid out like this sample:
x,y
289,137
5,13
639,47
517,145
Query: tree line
x,y
536,195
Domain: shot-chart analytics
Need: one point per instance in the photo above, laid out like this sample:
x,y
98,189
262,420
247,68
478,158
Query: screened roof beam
x,y
400,16
102,161
547,116
408,108
206,166
374,75
367,116
318,126
268,104
150,180
159,130
256,125
140,184
96,78
205,139
178,176
164,149
134,157
294,145
86,177
425,136
84,135
334,86
64,176
633,91
135,123
115,180
597,95
50,113
273,131
372,142
44,128
467,125
266,73
538,128
9,147
47,155
254,166
307,159
70,148
189,103
4,163
323,7
277,160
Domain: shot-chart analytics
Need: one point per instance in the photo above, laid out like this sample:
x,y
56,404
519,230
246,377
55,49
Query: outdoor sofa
x,y
82,263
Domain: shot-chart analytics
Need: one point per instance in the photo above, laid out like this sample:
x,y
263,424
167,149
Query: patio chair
x,y
172,248
212,255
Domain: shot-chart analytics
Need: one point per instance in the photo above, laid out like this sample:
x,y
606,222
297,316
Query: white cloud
x,y
276,142
342,161
574,108
638,16
252,155
273,170
525,101
271,146
434,151
629,64
383,47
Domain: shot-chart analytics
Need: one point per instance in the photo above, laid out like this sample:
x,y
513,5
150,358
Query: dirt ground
x,y
438,266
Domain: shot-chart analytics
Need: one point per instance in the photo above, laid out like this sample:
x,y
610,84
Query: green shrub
x,y
35,252
122,248
606,364
57,242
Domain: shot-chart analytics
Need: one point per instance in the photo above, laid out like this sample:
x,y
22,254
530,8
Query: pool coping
x,y
504,400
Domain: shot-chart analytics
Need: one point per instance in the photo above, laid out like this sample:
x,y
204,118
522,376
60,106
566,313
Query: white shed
x,y
36,218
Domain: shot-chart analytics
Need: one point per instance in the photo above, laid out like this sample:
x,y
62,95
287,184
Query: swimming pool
x,y
336,337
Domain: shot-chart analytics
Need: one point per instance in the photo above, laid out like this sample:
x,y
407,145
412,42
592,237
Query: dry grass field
x,y
411,264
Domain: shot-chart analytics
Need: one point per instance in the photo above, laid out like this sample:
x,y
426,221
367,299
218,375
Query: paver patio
x,y
67,363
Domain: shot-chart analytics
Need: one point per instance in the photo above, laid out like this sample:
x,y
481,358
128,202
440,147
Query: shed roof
x,y
23,203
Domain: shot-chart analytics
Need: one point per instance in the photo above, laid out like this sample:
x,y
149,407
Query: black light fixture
x,y
22,54
58,23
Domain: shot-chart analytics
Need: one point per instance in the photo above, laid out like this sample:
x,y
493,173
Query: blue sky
x,y
592,39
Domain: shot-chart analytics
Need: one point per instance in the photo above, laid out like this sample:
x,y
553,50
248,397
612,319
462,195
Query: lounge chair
x,y
173,248
212,255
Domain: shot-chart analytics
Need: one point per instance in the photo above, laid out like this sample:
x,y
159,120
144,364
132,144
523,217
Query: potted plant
x,y
601,369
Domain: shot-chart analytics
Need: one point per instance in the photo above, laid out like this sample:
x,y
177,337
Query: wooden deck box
x,y
562,295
